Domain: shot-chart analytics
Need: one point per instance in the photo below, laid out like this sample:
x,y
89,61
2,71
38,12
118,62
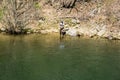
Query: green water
x,y
45,57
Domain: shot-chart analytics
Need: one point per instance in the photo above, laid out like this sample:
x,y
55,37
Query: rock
x,y
28,32
34,31
37,31
93,12
110,37
98,28
74,21
3,29
77,26
119,35
41,21
72,32
43,32
78,21
93,31
66,25
101,33
53,30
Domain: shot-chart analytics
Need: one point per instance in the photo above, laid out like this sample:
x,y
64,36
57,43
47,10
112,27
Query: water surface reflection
x,y
45,57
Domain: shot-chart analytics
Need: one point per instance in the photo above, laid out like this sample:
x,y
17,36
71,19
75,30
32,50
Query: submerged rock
x,y
110,37
28,32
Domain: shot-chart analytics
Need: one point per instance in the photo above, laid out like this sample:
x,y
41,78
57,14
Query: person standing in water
x,y
62,33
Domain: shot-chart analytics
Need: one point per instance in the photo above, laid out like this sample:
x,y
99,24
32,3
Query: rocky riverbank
x,y
102,31
94,32
95,18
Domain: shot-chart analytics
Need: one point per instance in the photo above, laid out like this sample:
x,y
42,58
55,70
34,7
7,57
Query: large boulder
x,y
72,32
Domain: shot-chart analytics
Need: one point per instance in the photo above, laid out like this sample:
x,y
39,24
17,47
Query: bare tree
x,y
17,14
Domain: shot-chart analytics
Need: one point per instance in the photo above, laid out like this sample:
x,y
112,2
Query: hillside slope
x,y
89,18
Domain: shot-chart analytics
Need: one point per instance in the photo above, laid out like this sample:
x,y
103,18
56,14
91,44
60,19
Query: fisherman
x,y
62,30
61,27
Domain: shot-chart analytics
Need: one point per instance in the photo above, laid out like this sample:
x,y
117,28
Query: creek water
x,y
45,57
